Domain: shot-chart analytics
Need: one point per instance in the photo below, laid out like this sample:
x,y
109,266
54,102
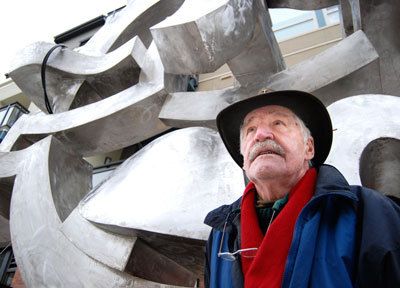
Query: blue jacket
x,y
346,236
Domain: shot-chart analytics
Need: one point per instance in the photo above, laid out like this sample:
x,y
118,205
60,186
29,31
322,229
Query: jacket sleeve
x,y
379,254
380,268
207,262
391,270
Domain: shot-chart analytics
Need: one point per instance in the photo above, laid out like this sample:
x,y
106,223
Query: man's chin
x,y
264,171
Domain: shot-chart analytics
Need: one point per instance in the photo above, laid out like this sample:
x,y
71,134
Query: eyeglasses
x,y
231,256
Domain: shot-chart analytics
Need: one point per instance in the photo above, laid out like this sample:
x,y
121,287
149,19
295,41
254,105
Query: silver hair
x,y
304,129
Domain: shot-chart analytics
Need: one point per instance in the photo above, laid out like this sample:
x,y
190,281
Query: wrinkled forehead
x,y
266,111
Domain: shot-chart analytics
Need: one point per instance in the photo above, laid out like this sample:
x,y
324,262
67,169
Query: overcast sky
x,y
26,21
23,22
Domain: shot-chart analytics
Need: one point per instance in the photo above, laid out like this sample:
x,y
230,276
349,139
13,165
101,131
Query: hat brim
x,y
306,106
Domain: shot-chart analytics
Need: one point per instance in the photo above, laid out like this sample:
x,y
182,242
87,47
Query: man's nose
x,y
263,133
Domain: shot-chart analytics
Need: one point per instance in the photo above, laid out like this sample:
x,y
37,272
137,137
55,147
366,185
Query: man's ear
x,y
310,148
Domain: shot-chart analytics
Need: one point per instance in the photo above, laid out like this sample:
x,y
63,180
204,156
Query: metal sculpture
x,y
43,251
311,75
127,117
379,164
104,76
380,23
142,226
244,26
381,120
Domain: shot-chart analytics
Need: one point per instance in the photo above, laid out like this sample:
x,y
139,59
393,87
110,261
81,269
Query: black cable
x,y
43,76
8,245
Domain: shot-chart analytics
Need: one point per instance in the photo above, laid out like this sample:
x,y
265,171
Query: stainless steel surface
x,y
181,109
203,35
380,21
324,69
5,237
68,70
124,119
9,165
134,20
380,166
107,64
301,4
169,186
217,32
6,185
350,16
261,57
109,249
312,75
357,121
45,256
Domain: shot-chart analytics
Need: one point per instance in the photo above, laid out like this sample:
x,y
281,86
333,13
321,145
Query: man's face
x,y
273,144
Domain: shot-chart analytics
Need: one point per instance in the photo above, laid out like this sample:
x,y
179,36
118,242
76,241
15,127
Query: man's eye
x,y
250,129
279,122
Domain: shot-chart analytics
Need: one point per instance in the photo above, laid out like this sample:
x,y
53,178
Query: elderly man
x,y
298,223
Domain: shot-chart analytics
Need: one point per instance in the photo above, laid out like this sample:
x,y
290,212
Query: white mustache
x,y
266,145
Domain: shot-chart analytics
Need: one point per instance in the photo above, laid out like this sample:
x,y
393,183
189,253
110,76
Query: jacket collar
x,y
329,180
217,217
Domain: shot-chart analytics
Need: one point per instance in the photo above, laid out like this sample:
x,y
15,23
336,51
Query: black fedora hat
x,y
306,106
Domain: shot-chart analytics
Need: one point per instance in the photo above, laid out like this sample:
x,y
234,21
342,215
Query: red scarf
x,y
266,269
